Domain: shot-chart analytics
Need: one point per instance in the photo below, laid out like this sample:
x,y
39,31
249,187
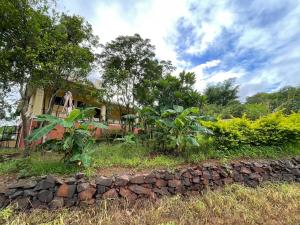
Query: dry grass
x,y
270,204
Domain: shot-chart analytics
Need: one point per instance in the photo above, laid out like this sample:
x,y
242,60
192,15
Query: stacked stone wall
x,y
54,192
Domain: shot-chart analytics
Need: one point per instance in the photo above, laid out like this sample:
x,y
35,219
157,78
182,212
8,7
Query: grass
x,y
139,158
269,204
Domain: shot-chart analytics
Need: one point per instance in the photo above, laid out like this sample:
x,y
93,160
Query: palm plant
x,y
77,138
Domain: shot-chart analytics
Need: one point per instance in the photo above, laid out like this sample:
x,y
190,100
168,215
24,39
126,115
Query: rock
x,y
25,184
137,179
197,173
122,180
79,175
196,180
245,170
162,191
82,186
69,202
129,195
296,172
45,196
255,176
16,194
38,204
187,175
174,183
30,193
101,189
66,190
4,201
10,192
104,181
110,194
168,176
56,203
186,181
150,179
215,175
206,175
140,189
70,180
87,194
47,183
161,183
22,203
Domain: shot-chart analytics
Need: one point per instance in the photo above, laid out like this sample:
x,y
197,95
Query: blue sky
x,y
256,42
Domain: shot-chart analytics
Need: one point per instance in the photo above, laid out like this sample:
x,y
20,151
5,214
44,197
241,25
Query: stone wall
x,y
53,192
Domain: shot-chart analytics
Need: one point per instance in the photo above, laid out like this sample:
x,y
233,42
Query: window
x,y
58,101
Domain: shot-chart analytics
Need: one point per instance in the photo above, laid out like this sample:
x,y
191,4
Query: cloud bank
x,y
256,42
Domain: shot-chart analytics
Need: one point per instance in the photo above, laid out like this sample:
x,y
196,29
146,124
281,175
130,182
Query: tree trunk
x,y
24,108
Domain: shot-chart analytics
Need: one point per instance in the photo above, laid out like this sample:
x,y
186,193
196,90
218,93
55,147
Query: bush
x,y
272,129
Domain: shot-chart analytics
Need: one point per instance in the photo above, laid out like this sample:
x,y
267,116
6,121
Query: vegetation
x,y
273,129
41,49
118,158
77,138
269,204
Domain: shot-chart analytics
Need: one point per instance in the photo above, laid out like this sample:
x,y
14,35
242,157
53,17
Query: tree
x,y
221,93
287,99
171,90
66,55
39,50
129,65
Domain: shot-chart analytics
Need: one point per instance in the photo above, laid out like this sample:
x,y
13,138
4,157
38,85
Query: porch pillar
x,y
103,112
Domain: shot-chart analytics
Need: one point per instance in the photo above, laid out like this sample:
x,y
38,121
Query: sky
x,y
257,42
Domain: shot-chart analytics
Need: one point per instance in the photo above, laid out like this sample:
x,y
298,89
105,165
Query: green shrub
x,y
272,129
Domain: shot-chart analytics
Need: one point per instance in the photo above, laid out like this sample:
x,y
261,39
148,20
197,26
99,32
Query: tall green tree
x,y
41,49
222,93
171,90
129,65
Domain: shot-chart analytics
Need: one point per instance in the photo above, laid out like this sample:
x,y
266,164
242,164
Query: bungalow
x,y
110,113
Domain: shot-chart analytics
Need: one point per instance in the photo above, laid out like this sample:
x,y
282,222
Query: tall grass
x,y
270,204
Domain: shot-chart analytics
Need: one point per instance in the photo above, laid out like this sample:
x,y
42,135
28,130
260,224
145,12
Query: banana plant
x,y
77,138
180,126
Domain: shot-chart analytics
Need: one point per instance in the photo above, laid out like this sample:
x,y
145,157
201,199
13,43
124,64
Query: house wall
x,y
39,103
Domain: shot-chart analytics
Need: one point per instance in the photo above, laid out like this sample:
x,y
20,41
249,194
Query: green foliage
x,y
273,129
170,90
221,93
175,128
77,137
128,140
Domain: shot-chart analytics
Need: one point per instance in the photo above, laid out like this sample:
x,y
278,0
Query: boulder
x,y
45,196
66,190
25,184
174,183
245,170
56,203
104,181
110,194
161,183
22,203
87,194
101,189
122,180
140,189
30,193
137,179
82,186
129,195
